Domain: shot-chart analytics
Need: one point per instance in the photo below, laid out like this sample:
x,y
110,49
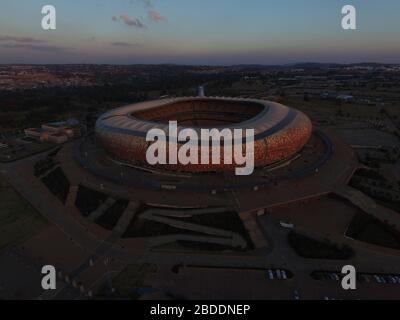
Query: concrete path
x,y
71,198
369,206
126,218
93,216
211,235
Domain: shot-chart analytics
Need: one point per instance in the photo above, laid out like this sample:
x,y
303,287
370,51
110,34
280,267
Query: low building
x,y
34,132
56,127
57,132
58,138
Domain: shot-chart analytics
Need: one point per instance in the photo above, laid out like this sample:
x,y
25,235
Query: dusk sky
x,y
212,32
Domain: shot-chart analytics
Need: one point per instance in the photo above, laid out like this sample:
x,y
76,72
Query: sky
x,y
207,32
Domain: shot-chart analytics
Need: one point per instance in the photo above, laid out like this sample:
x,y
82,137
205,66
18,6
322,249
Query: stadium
x,y
197,207
280,132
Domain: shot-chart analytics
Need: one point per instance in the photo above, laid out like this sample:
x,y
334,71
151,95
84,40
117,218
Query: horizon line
x,y
204,65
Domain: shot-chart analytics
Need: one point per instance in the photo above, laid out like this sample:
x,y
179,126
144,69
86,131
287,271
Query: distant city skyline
x,y
224,32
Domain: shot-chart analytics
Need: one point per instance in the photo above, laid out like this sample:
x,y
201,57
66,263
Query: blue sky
x,y
199,32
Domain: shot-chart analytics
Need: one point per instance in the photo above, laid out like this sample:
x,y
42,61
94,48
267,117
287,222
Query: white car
x,y
336,276
271,274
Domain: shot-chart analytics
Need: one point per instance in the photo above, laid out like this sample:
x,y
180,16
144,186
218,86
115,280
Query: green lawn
x,y
18,220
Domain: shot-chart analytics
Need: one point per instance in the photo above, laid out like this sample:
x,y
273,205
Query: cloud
x,y
20,39
32,44
131,22
148,4
35,47
124,44
152,14
155,16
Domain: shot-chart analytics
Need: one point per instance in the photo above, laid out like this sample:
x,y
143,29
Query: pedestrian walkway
x,y
369,206
126,218
93,216
71,198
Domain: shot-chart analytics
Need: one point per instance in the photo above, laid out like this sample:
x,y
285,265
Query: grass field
x,y
18,220
312,249
367,228
133,276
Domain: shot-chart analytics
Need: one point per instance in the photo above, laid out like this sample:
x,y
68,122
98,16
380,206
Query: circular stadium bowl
x,y
280,132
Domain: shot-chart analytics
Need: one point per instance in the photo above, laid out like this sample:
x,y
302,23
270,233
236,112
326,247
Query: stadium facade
x,y
280,132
